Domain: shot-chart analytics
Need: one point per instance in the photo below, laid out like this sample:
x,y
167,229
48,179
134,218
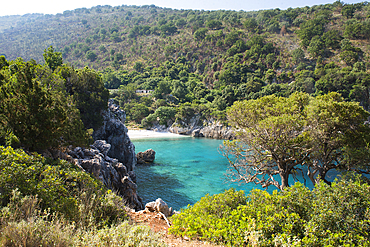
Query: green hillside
x,y
153,35
209,58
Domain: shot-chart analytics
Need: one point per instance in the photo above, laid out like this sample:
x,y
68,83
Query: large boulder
x,y
159,206
145,157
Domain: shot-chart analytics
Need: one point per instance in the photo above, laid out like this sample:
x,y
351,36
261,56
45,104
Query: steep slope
x,y
201,62
118,37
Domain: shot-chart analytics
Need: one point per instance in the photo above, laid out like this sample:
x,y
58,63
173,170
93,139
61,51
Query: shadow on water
x,y
161,186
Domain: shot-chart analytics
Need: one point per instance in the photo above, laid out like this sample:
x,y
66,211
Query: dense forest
x,y
200,62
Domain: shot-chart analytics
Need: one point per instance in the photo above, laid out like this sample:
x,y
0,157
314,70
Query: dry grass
x,y
22,223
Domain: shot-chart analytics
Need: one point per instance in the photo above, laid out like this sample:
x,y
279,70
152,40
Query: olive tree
x,y
338,136
279,136
270,139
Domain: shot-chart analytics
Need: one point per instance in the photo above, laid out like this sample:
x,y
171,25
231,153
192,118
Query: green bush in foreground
x,y
336,215
209,218
60,187
123,234
52,203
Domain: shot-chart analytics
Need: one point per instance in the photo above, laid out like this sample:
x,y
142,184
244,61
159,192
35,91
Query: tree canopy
x,y
278,136
42,106
34,109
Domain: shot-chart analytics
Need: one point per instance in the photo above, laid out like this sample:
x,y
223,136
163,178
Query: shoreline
x,y
144,134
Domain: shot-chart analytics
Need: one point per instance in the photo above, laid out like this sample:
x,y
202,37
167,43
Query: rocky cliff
x,y
118,160
114,132
111,158
110,171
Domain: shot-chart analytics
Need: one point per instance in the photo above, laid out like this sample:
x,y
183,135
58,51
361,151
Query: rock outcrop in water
x,y
145,157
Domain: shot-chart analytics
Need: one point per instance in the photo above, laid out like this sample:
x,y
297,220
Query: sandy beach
x,y
141,134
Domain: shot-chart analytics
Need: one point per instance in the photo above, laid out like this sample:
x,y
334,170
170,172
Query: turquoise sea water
x,y
185,169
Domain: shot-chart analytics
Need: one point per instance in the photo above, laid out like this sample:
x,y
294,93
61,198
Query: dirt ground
x,y
159,225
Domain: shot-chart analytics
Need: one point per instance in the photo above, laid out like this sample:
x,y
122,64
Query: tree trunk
x,y
284,180
311,175
322,174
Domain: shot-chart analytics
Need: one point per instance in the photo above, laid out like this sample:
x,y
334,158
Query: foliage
x,y
310,29
87,90
316,47
205,219
298,55
37,232
163,115
24,223
35,109
251,24
214,24
356,30
52,230
255,53
328,215
123,234
348,10
338,131
200,34
269,129
53,59
59,187
91,55
277,135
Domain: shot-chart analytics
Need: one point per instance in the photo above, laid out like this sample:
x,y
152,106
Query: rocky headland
x,y
114,132
111,158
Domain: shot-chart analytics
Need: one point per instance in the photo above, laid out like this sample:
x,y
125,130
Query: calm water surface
x,y
185,169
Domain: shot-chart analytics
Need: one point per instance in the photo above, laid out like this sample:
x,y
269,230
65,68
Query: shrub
x,y
164,115
207,219
60,187
37,232
120,235
40,228
336,215
60,206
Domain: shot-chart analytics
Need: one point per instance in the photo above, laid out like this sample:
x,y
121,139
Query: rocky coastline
x,y
114,174
111,158
196,128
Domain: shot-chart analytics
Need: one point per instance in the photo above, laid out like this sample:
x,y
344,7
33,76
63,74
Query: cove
x,y
185,169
